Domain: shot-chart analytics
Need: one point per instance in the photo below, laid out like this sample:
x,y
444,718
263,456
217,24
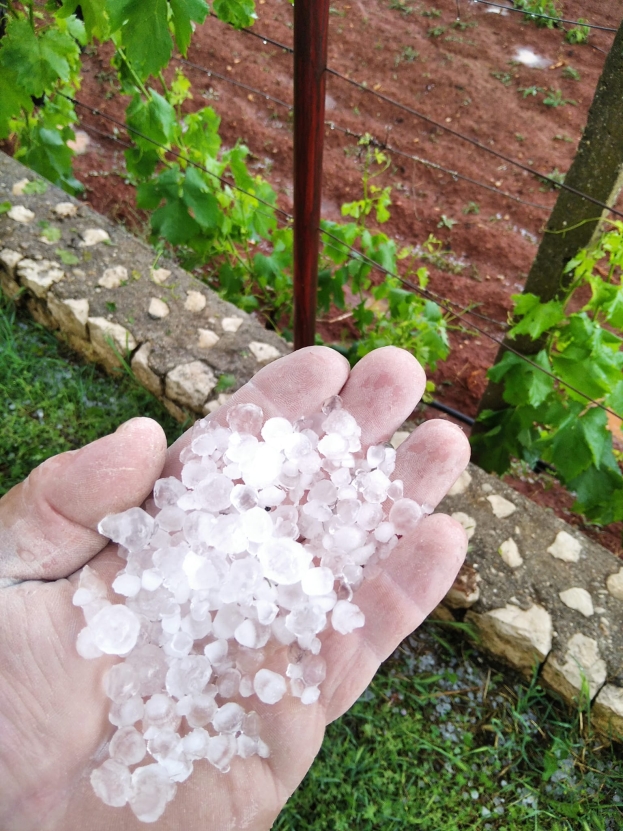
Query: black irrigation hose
x,y
443,408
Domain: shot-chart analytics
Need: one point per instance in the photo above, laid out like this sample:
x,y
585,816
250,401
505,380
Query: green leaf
x,y
523,383
37,61
49,155
594,426
235,159
77,29
183,12
144,30
202,134
154,118
536,317
173,222
570,452
13,99
200,200
5,206
237,12
615,399
94,13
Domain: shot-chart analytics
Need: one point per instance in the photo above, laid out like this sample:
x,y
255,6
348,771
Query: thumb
x,y
48,523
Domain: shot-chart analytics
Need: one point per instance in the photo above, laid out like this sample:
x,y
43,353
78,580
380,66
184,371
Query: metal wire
x,y
440,126
545,16
390,149
444,303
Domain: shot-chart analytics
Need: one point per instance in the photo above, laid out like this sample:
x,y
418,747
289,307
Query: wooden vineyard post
x,y
311,25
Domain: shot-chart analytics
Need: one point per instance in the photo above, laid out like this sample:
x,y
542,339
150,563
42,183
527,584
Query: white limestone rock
x,y
195,301
521,637
582,665
207,338
579,600
468,522
461,484
71,315
501,507
214,405
231,324
39,275
264,352
93,236
190,384
19,213
607,711
19,187
565,547
509,552
9,260
143,372
614,584
65,210
102,332
158,309
159,275
113,277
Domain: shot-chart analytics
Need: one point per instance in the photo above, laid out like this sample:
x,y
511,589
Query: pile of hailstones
x,y
260,546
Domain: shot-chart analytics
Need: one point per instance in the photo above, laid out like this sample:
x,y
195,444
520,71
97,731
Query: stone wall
x,y
539,595
87,277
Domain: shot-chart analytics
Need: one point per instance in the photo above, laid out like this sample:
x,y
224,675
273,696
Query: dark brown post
x,y
311,25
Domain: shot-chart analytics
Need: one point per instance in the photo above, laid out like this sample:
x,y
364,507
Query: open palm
x,y
54,727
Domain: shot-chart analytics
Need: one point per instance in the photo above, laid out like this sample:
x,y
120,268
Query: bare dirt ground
x,y
461,73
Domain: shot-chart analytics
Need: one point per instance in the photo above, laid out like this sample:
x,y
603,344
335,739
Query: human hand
x,y
53,712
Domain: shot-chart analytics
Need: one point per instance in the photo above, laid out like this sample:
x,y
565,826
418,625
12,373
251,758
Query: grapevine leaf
x,y
154,118
570,454
522,382
49,155
235,159
237,12
615,399
183,12
594,426
173,222
599,495
37,61
13,99
94,13
202,133
200,200
536,317
145,33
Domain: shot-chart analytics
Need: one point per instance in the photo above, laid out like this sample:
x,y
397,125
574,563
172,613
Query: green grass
x,y
438,742
50,404
410,755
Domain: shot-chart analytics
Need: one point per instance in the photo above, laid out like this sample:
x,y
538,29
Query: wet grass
x,y
51,403
439,742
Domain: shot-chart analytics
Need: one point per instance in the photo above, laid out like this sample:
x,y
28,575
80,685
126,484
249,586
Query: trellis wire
x,y
530,14
384,146
440,126
444,303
